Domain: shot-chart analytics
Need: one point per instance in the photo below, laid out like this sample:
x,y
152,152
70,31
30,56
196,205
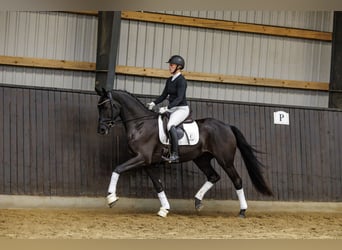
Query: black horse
x,y
216,140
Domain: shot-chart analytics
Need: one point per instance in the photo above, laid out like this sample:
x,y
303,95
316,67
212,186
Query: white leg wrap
x,y
163,212
203,190
113,182
111,198
242,199
163,200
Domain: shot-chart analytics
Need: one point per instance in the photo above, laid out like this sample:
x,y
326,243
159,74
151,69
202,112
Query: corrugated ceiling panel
x,y
313,20
51,35
226,52
154,86
66,36
233,53
47,78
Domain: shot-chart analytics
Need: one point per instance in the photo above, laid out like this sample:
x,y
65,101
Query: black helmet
x,y
178,60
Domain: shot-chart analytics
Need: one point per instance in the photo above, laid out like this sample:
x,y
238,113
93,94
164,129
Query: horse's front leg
x,y
165,206
130,164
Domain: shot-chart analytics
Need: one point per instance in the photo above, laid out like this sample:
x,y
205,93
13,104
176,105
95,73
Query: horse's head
x,y
109,111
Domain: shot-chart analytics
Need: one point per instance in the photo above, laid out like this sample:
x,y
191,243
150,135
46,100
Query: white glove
x,y
162,110
150,105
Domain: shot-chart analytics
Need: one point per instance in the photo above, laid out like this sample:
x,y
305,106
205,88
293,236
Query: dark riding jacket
x,y
176,90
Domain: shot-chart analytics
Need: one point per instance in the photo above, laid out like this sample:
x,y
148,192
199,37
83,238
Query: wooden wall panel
x,y
58,189
268,157
2,141
296,157
49,146
336,172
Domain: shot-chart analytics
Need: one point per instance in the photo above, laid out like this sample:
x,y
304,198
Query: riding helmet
x,y
178,60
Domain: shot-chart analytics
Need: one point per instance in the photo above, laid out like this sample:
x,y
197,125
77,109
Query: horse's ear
x,y
100,92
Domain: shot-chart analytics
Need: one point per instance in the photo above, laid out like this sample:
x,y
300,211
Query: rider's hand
x,y
150,105
162,110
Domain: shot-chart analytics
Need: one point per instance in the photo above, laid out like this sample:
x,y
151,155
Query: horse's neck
x,y
131,108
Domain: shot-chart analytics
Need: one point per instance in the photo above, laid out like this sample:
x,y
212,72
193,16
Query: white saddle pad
x,y
191,129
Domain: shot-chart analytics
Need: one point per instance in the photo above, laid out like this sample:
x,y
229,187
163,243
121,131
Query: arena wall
x,y
50,147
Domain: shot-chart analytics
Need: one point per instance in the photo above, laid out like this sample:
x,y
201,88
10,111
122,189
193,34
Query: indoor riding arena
x,y
274,75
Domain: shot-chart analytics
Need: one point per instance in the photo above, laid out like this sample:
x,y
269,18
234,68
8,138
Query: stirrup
x,y
172,159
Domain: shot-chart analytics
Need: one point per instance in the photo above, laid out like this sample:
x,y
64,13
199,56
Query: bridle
x,y
110,122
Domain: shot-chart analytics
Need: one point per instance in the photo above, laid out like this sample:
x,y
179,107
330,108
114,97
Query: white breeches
x,y
177,116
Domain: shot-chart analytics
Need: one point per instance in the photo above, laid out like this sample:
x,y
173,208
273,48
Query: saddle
x,y
180,128
187,131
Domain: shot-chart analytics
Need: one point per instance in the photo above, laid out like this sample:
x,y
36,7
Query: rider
x,y
178,108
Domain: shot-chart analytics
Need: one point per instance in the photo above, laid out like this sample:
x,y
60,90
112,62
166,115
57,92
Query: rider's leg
x,y
178,115
174,157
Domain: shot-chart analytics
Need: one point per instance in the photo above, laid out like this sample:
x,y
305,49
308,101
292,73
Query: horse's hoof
x,y
112,199
199,207
163,212
242,213
110,205
198,204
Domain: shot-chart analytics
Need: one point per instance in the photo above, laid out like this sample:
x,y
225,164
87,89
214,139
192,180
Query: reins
x,y
146,117
113,122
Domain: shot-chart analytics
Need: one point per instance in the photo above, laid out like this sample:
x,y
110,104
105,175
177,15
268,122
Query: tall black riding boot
x,y
174,157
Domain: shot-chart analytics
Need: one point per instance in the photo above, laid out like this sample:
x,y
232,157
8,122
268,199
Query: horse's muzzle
x,y
102,129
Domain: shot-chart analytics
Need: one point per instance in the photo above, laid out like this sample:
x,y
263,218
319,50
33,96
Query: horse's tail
x,y
252,163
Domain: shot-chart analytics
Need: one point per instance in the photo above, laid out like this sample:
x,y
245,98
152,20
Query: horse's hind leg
x,y
165,206
237,182
203,163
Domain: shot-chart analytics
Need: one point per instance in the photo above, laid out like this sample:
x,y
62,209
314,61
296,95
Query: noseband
x,y
108,122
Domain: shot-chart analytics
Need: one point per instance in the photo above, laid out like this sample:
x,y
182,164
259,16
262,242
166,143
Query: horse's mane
x,y
132,95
